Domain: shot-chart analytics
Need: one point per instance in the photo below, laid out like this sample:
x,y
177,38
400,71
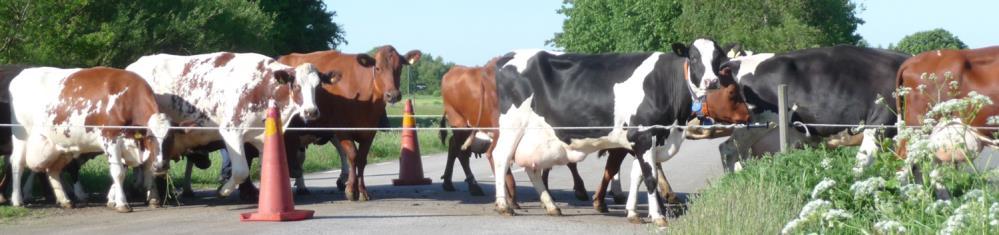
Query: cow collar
x,y
698,107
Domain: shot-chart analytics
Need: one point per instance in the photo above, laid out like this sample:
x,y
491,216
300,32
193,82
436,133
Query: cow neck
x,y
373,87
694,91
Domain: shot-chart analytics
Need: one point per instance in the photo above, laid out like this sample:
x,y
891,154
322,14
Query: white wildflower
x,y
814,206
880,100
826,163
867,187
992,121
917,150
921,88
976,195
956,221
791,226
913,192
954,84
889,227
816,209
935,175
835,214
822,186
901,92
979,99
903,175
937,207
994,214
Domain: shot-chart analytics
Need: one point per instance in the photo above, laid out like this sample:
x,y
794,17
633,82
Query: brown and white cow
x,y
367,84
230,91
973,70
53,105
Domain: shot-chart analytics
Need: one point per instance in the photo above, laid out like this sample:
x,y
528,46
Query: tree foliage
x,y
82,33
652,25
928,40
427,74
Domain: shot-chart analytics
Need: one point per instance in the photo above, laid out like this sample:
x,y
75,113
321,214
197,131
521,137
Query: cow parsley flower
x,y
954,84
956,221
913,192
938,207
826,163
867,187
902,91
903,175
976,195
826,183
994,214
815,209
889,227
880,100
992,121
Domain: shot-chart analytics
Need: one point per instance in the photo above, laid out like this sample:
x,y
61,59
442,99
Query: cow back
x,y
974,70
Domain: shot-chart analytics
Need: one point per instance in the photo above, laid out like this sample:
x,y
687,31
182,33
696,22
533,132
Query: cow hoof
x,y
515,205
634,219
475,190
341,185
582,195
66,205
363,196
302,191
123,209
350,195
505,211
661,222
600,207
154,203
448,186
620,199
555,212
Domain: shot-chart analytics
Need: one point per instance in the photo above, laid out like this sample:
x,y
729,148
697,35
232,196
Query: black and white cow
x,y
539,90
830,85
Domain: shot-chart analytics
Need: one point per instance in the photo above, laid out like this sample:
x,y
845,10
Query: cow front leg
x,y
349,150
868,148
578,186
4,177
116,166
364,145
473,185
187,192
452,154
546,198
240,168
152,191
341,181
17,164
634,180
298,174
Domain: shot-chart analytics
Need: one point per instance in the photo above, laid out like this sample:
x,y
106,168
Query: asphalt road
x,y
406,209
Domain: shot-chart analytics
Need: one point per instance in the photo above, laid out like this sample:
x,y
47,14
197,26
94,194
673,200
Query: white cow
x,y
54,104
229,91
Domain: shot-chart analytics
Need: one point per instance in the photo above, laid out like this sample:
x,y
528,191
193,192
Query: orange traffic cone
x,y
275,202
410,165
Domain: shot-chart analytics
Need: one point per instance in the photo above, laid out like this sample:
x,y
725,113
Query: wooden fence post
x,y
782,116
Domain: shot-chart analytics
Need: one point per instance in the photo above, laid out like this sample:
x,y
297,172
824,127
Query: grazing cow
x,y
368,83
830,85
539,90
956,73
54,104
469,95
229,91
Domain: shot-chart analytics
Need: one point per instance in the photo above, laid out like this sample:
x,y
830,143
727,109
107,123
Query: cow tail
x,y
900,100
443,128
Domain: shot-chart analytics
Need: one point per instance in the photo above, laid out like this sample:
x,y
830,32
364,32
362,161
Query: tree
x,y
303,26
83,33
653,25
928,40
427,74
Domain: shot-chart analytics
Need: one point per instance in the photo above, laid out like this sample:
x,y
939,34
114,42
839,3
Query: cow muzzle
x,y
392,96
310,114
161,167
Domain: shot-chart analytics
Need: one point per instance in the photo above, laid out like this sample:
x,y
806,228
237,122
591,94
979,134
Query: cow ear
x,y
365,60
681,50
330,77
413,56
734,50
283,77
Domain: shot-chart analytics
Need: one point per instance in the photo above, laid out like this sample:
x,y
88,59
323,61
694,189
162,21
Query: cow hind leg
x,y
546,197
187,192
300,187
60,193
362,161
473,186
452,154
116,166
578,186
240,168
610,172
341,181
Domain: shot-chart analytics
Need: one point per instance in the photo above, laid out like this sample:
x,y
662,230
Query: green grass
x,y
318,158
9,213
771,191
422,105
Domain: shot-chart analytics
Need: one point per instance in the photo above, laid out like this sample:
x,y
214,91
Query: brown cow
x,y
358,100
52,105
974,70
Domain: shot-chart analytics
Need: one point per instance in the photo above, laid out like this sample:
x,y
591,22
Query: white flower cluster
x,y
867,187
880,100
974,195
808,212
994,214
913,192
992,121
938,207
889,227
826,183
826,163
970,104
956,221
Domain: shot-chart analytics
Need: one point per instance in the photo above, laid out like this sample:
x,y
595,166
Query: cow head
x,y
724,101
386,68
303,82
157,140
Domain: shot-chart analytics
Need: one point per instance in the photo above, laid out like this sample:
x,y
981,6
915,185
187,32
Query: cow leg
x,y
473,185
240,168
577,183
546,197
664,188
634,181
116,165
73,171
502,155
56,183
187,192
298,174
4,177
364,145
615,188
868,148
610,170
17,164
341,181
349,150
152,192
453,150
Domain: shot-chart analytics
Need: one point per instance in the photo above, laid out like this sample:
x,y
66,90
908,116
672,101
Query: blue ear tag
x,y
696,108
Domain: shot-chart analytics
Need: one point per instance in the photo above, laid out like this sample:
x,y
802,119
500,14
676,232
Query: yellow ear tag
x,y
138,136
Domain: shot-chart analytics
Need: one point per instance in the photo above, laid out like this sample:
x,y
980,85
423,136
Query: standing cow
x,y
367,84
957,72
539,90
53,105
229,91
830,85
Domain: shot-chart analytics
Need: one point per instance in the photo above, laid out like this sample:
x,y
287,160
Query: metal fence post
x,y
782,116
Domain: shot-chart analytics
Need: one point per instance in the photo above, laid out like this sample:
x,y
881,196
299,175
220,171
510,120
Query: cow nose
x,y
161,168
392,96
311,114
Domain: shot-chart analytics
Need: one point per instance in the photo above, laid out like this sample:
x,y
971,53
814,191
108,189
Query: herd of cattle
x,y
528,102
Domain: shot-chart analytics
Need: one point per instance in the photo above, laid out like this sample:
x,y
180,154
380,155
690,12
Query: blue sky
x,y
470,32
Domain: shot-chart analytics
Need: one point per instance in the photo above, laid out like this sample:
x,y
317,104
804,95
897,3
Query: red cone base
x,y
410,165
275,202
